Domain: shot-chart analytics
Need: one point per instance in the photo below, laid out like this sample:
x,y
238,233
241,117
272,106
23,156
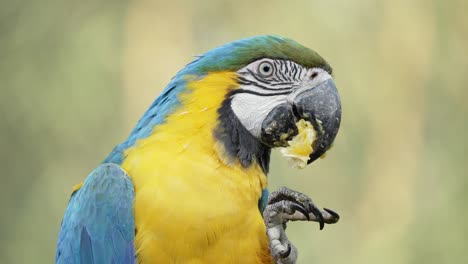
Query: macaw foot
x,y
287,205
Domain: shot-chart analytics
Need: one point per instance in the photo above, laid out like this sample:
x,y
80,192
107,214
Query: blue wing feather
x,y
98,226
262,203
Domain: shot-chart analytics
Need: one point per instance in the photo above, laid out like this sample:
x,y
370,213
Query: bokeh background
x,y
76,75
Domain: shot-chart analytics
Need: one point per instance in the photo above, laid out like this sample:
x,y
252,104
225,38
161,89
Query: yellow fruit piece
x,y
300,146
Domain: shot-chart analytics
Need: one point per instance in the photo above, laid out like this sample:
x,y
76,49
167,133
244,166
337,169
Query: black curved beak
x,y
321,106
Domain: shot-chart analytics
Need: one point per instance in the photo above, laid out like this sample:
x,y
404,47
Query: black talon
x,y
286,254
301,209
333,214
319,216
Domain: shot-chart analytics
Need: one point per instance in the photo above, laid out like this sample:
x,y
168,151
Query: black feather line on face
x,y
264,81
238,142
294,71
243,81
259,94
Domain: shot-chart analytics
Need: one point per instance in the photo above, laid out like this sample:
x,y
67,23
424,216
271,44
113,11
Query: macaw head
x,y
268,84
279,82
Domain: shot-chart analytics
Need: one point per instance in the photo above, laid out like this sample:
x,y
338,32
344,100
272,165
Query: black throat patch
x,y
238,142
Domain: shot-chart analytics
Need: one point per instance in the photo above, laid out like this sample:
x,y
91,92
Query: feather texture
x,y
193,204
98,226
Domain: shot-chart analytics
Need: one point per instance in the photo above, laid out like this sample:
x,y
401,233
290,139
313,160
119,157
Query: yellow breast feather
x,y
191,206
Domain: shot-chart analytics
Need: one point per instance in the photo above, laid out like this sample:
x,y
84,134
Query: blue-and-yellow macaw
x,y
189,185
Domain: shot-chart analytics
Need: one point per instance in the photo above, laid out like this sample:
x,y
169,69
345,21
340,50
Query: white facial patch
x,y
252,109
267,83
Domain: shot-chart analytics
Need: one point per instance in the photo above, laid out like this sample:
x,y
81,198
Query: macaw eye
x,y
265,69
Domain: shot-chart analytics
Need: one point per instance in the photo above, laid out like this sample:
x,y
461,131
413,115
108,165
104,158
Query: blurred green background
x,y
76,75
